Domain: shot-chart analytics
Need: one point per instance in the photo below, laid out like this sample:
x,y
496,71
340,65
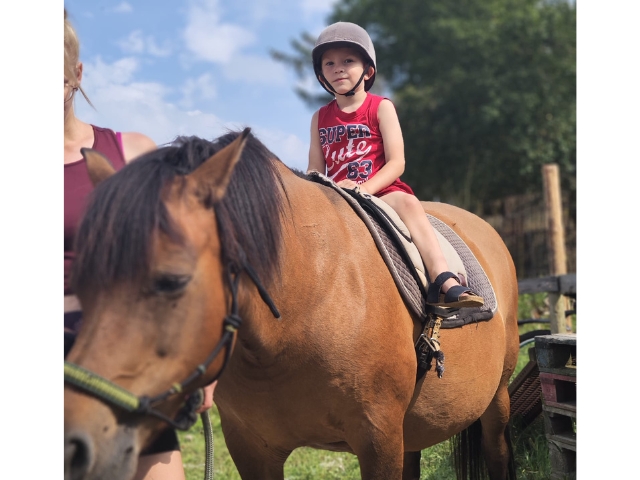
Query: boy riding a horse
x,y
357,139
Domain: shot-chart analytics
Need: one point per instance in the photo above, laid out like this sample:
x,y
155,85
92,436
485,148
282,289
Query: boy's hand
x,y
350,184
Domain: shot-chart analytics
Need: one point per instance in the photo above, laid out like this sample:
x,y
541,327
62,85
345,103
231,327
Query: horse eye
x,y
170,283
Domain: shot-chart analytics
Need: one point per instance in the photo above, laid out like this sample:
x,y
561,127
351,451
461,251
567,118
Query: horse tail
x,y
467,454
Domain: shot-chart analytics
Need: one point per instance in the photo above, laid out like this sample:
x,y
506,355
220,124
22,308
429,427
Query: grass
x,y
530,444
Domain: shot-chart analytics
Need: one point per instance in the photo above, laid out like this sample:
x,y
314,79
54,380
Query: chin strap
x,y
327,86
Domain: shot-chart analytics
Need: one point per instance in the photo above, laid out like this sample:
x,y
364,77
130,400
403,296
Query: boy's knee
x,y
410,204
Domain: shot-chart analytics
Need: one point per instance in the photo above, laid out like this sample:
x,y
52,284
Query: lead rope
x,y
208,445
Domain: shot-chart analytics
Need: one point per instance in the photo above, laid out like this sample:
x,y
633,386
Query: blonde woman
x,y
162,460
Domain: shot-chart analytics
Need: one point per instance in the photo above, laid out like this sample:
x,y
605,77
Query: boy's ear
x,y
370,72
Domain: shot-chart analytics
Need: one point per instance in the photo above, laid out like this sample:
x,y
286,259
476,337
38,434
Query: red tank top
x,y
78,186
352,143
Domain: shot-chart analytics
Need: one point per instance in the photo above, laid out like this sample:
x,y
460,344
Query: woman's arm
x,y
316,158
135,144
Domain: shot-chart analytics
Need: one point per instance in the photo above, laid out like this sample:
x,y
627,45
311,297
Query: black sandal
x,y
453,298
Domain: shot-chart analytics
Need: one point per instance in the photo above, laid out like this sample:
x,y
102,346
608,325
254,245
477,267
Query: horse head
x,y
150,277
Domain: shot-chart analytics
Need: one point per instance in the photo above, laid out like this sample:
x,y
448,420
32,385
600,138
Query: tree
x,y
485,90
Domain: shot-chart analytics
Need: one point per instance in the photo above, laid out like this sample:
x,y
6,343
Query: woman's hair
x,y
72,54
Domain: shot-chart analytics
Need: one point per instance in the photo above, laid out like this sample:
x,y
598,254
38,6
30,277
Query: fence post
x,y
557,252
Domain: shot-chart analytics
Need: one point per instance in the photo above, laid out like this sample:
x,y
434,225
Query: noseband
x,y
115,395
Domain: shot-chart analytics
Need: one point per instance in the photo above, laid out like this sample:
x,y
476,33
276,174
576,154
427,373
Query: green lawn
x,y
530,445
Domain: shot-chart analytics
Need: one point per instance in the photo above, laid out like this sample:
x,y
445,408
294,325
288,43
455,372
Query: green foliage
x,y
485,90
531,450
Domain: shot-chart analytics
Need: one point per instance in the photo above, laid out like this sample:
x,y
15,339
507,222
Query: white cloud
x,y
255,69
123,7
124,104
100,73
137,43
316,7
194,89
211,40
289,148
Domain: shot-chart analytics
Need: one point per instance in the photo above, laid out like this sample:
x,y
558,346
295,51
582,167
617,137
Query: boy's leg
x,y
410,211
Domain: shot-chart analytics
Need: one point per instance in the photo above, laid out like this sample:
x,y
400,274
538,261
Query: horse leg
x,y
496,442
411,467
378,443
252,456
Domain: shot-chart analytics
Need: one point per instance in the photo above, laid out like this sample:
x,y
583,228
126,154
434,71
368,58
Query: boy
x,y
357,140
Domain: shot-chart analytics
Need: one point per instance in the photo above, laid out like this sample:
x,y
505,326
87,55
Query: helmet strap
x,y
327,86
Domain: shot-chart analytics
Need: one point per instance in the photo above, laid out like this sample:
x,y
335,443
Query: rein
x,y
115,395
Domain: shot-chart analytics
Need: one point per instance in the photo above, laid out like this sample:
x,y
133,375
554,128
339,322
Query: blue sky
x,y
197,68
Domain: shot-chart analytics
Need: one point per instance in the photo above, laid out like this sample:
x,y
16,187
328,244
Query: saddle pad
x,y
411,280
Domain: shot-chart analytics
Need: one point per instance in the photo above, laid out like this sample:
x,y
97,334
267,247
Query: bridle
x,y
117,396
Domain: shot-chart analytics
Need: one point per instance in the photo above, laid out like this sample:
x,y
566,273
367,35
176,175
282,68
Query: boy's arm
x,y
393,149
316,158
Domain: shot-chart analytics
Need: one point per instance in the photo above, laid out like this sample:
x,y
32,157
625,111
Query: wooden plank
x,y
538,285
564,284
560,411
555,229
563,441
568,406
568,371
567,284
557,339
557,250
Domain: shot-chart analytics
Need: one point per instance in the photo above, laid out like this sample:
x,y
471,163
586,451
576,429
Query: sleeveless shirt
x,y
352,143
78,186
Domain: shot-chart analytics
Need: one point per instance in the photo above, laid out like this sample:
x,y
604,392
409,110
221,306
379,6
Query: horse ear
x,y
214,174
98,166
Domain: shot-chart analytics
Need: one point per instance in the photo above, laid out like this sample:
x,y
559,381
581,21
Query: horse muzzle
x,y
96,445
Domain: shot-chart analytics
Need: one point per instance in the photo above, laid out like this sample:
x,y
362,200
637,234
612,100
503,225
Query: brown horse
x,y
336,371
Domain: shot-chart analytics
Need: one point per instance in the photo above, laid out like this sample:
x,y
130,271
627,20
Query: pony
x,y
197,240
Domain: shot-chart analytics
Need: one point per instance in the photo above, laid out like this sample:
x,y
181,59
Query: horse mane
x,y
113,241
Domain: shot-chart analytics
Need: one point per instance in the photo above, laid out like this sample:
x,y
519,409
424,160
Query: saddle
x,y
405,263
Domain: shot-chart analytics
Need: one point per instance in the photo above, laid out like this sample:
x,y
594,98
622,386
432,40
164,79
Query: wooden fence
x,y
522,223
558,287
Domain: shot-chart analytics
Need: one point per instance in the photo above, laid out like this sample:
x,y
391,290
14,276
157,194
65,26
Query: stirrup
x,y
453,298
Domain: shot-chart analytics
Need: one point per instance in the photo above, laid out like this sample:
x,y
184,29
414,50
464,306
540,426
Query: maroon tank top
x,y
78,186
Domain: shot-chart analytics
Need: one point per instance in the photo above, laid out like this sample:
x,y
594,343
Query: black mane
x,y
113,241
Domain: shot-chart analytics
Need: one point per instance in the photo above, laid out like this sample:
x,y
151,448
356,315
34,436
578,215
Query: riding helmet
x,y
345,34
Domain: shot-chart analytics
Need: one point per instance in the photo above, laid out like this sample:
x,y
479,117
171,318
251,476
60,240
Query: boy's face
x,y
342,67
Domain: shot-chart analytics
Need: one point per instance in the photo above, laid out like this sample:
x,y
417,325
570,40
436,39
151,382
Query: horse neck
x,y
317,225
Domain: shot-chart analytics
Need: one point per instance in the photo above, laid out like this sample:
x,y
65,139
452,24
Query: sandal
x,y
453,298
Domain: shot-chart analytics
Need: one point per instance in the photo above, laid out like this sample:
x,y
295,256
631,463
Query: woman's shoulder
x,y
135,144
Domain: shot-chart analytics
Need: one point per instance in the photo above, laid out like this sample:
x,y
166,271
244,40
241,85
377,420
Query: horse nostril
x,y
78,455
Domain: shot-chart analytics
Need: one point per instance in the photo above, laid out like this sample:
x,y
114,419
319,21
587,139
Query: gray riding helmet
x,y
344,34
